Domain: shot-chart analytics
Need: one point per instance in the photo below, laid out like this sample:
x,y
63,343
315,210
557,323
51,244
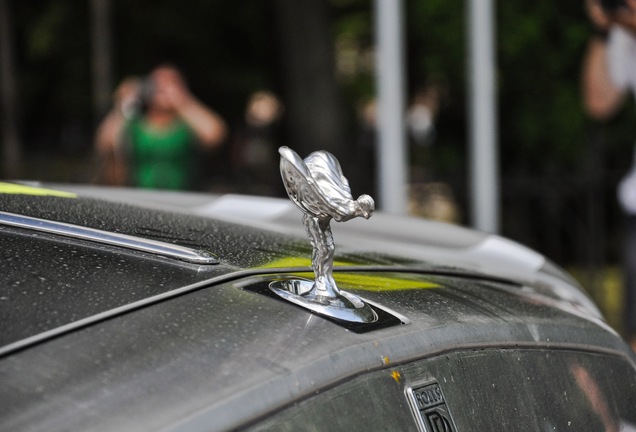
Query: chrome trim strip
x,y
104,237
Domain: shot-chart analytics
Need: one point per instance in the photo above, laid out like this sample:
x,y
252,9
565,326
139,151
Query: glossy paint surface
x,y
99,338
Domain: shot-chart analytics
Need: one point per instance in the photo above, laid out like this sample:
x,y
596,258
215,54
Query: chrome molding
x,y
104,237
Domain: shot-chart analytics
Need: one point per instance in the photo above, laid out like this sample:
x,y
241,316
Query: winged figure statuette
x,y
320,189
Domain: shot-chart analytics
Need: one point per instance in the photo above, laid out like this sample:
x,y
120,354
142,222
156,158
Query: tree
x,y
11,147
314,108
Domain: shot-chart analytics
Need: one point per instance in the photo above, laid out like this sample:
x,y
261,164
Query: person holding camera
x,y
609,74
159,132
609,69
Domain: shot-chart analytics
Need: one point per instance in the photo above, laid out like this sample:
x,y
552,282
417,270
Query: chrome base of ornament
x,y
344,306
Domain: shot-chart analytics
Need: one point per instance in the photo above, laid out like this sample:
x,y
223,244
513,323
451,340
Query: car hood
x,y
428,244
56,282
138,340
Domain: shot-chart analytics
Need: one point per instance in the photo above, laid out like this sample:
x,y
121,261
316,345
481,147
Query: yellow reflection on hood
x,y
357,281
18,189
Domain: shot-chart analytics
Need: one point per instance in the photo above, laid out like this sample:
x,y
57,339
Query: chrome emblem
x,y
319,188
429,407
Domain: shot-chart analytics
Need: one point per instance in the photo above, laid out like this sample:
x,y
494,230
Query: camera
x,y
147,90
612,5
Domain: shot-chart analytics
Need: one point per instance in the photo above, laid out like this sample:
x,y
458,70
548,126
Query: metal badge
x,y
429,407
319,188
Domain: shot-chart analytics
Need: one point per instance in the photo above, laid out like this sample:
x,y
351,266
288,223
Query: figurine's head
x,y
365,206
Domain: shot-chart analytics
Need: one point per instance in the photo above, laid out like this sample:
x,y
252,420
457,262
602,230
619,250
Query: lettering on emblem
x,y
430,408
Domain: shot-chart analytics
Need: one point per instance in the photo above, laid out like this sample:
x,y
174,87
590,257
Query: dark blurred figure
x,y
154,132
428,197
255,149
126,102
609,73
364,167
421,117
421,114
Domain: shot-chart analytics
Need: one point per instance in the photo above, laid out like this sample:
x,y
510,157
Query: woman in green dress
x,y
159,143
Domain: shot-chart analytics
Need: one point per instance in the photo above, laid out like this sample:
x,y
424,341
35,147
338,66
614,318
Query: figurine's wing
x,y
326,171
300,185
332,184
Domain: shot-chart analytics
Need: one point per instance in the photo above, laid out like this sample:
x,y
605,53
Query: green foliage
x,y
229,49
541,45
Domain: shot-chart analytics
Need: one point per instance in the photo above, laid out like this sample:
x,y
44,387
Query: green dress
x,y
160,158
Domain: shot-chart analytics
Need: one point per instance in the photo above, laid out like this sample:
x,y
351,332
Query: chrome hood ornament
x,y
319,188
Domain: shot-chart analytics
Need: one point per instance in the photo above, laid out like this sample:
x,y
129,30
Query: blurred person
x,y
255,152
364,166
126,103
428,198
421,114
419,122
421,118
159,141
609,74
609,69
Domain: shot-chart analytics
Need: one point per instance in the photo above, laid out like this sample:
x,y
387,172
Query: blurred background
x,y
315,61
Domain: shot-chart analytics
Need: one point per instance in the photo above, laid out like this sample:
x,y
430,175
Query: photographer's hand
x,y
601,97
626,16
599,18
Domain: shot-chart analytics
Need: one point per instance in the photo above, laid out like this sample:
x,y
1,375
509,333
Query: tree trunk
x,y
314,110
102,57
11,147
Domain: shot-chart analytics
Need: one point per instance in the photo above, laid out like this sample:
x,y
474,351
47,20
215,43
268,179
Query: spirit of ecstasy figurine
x,y
319,188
